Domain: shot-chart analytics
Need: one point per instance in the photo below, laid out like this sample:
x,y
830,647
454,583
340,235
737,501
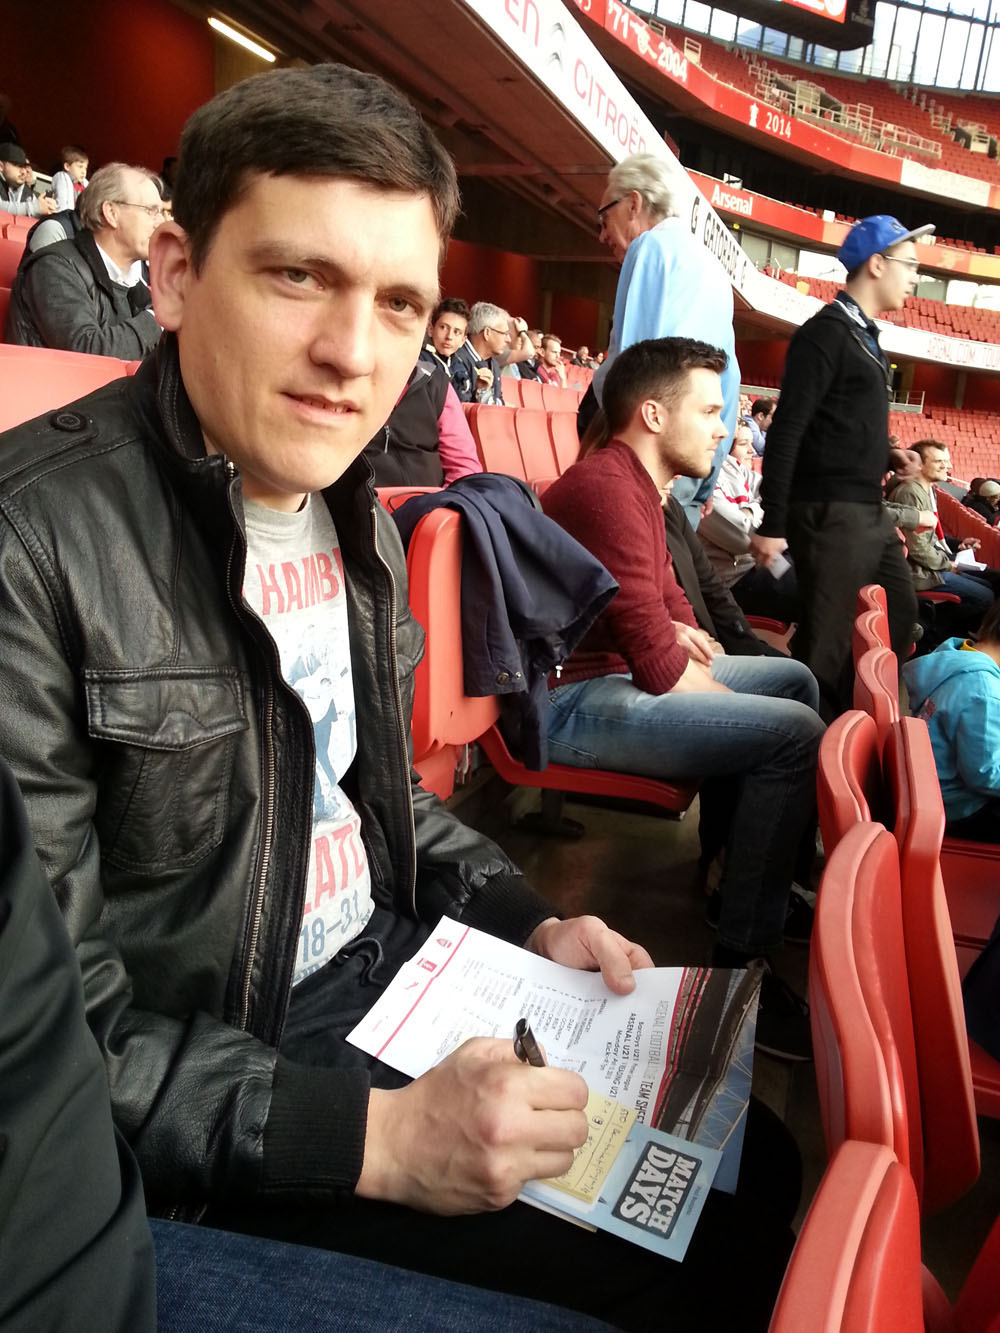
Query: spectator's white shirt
x,y
129,278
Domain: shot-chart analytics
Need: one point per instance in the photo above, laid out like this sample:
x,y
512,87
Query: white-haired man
x,y
669,286
486,344
90,293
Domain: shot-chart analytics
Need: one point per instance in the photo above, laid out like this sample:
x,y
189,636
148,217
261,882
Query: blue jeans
x,y
220,1282
976,595
766,734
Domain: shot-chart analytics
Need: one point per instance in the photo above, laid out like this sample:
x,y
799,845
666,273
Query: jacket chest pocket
x,y
168,743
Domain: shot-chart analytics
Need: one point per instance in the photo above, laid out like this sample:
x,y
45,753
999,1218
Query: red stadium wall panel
x,y
120,79
480,273
936,383
762,361
982,393
574,319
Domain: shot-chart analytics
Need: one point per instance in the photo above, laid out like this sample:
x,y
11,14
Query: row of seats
x,y
896,1082
960,521
535,446
533,393
953,321
34,380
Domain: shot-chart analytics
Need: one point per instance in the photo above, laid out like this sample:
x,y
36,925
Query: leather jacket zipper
x,y
267,778
398,701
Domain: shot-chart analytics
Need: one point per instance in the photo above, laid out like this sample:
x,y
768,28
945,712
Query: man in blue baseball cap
x,y
827,452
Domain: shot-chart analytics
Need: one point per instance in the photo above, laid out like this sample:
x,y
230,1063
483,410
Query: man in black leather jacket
x,y
169,769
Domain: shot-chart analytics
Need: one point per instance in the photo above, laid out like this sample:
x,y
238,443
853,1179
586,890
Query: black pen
x,y
526,1048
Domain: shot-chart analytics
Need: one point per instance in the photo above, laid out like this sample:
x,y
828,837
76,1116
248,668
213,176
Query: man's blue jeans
x,y
766,734
220,1282
976,595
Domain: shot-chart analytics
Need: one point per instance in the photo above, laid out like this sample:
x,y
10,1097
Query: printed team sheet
x,y
678,1051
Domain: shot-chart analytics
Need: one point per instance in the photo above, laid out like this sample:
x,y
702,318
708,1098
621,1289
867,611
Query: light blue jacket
x,y
670,286
957,693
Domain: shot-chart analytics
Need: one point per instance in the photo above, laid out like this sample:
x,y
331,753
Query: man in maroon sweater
x,y
649,692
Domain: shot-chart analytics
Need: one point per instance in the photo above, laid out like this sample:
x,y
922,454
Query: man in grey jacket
x,y
91,293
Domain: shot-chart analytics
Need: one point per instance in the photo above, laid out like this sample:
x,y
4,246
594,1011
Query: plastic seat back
x,y
947,1103
444,716
876,688
512,391
532,430
555,398
35,380
854,1093
871,630
856,1264
496,439
565,440
531,393
872,598
11,250
848,776
880,958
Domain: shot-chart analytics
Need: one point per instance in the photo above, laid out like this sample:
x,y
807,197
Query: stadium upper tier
x,y
920,141
955,321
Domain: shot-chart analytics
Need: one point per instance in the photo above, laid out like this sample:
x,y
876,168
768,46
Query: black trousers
x,y
838,547
730,1275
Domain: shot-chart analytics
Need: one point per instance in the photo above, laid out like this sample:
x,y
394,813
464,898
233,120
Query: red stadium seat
x,y
951,1139
557,399
537,455
871,630
11,250
876,688
872,598
849,776
496,440
565,440
512,392
35,380
854,1090
445,718
856,1264
531,393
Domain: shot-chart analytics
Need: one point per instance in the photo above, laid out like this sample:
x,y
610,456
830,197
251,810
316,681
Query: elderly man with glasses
x,y
487,348
91,293
827,452
670,286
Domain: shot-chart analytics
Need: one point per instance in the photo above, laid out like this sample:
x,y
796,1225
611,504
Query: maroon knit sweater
x,y
609,503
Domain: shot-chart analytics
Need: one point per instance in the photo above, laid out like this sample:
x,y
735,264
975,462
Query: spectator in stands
x,y
488,339
648,692
15,195
62,226
927,553
956,690
761,416
69,183
746,403
824,498
448,324
427,440
521,351
529,356
157,547
669,284
552,369
91,293
582,357
725,533
983,499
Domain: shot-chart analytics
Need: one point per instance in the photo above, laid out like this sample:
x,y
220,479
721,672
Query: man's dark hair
x,y
989,630
657,368
451,305
324,121
761,406
922,447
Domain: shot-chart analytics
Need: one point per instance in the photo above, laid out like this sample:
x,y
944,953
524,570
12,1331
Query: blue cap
x,y
873,236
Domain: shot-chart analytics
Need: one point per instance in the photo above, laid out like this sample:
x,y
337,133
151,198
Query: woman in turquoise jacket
x,y
956,690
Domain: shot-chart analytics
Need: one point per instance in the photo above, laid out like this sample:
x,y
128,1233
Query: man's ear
x,y
651,414
170,273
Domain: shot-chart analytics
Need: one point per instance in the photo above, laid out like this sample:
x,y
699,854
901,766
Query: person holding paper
x,y
207,676
930,559
648,692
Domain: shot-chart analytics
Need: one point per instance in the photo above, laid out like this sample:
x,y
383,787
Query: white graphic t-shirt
x,y
294,580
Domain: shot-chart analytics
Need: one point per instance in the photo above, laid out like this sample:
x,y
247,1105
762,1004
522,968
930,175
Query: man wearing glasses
x,y
91,293
488,347
827,452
